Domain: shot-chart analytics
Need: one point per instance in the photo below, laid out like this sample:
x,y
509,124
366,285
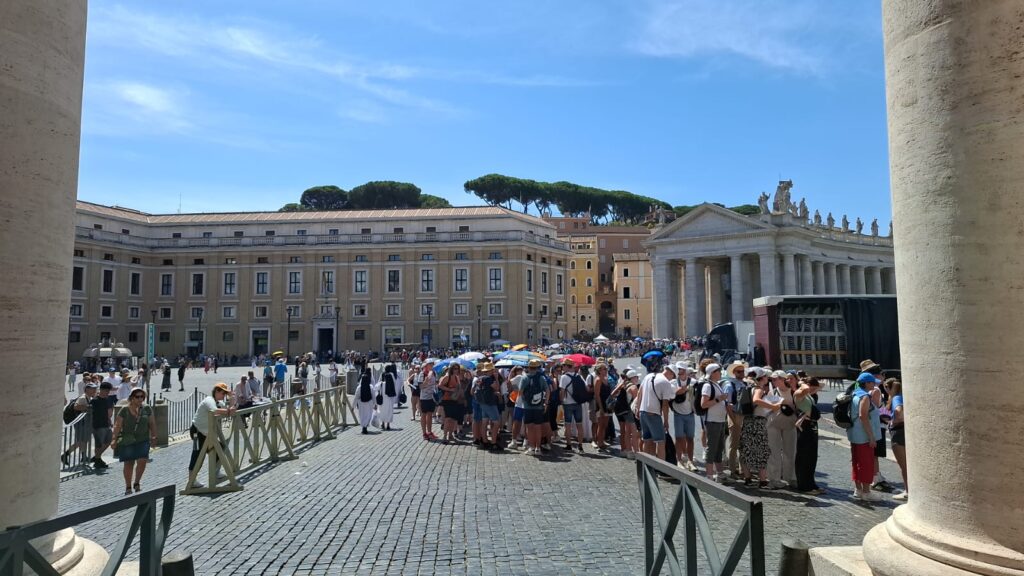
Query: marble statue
x,y
860,226
794,210
782,201
831,221
817,218
762,203
874,227
804,212
846,223
890,228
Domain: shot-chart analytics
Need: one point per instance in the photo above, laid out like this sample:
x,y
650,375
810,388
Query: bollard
x,y
351,381
795,559
160,415
177,563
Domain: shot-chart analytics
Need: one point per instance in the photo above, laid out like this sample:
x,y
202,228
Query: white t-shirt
x,y
655,389
717,412
685,408
202,418
516,382
565,383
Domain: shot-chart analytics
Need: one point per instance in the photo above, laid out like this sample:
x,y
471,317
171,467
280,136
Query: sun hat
x,y
534,363
755,371
682,367
735,365
568,362
868,365
485,367
222,387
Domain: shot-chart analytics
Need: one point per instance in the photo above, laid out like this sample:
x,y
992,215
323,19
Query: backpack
x,y
578,390
533,391
698,398
484,393
841,407
365,391
69,412
389,385
746,401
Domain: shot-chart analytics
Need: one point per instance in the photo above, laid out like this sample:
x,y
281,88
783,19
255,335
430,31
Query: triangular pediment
x,y
709,220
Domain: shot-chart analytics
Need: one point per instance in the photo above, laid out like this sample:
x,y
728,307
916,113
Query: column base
x,y
839,561
72,555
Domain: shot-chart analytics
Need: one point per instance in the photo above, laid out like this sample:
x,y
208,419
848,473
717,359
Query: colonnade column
x,y
819,277
874,280
806,276
692,280
662,299
859,280
888,281
768,267
845,286
736,281
789,273
956,138
831,278
715,294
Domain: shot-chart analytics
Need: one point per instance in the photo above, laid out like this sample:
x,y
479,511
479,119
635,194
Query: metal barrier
x,y
180,412
265,434
659,528
17,549
76,444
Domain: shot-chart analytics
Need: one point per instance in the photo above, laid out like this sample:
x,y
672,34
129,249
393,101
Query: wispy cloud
x,y
136,107
774,33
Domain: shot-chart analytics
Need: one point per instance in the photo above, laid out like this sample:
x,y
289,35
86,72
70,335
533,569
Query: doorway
x,y
260,342
324,341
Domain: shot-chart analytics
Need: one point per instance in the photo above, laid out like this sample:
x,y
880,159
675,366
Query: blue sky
x,y
234,105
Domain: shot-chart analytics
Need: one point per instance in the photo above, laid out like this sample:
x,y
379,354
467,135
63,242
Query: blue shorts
x,y
518,414
683,425
572,413
651,427
477,414
487,412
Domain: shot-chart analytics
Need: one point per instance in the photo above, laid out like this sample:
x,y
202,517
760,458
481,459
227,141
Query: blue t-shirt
x,y
897,402
856,434
280,370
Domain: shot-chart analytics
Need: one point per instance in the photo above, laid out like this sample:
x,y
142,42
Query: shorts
x,y
517,414
453,409
652,427
683,425
427,405
880,445
626,418
534,416
102,436
572,413
478,414
716,432
899,437
133,452
862,463
488,412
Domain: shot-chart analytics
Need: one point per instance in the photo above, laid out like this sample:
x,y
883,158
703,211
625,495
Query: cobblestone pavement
x,y
390,503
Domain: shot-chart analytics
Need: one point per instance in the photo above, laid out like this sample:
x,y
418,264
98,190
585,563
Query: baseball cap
x,y
91,385
866,377
631,374
778,374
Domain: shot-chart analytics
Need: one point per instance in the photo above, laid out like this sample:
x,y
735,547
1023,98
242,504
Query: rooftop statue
x,y
804,212
874,227
817,218
782,201
762,203
846,223
860,226
831,221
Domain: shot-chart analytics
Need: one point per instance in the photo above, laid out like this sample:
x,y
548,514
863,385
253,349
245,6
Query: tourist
x,y
554,403
165,381
215,404
413,381
102,414
602,391
533,390
807,436
515,378
487,393
733,387
452,398
332,374
134,430
899,440
182,365
365,403
303,375
655,392
782,432
389,393
714,401
862,437
621,401
427,389
683,424
83,427
280,371
572,388
754,450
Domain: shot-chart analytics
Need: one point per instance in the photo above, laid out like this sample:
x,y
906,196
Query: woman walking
x,y
134,429
389,392
365,404
165,382
754,451
807,436
414,379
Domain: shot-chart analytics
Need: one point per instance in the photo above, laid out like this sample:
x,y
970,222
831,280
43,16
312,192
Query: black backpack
x,y
841,407
69,412
533,391
578,390
389,385
365,390
746,401
485,395
698,398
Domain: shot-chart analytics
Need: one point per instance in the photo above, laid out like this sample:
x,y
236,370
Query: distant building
x,y
634,294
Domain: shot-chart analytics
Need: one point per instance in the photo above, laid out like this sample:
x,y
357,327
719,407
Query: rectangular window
x,y
262,282
394,280
543,311
393,335
133,336
327,312
625,272
426,310
494,309
74,336
293,334
359,310
494,279
625,292
175,234
268,233
431,229
360,258
327,259
263,260
394,257
394,310
295,282
426,257
165,313
494,256
463,228
461,309
359,285
231,260
543,282
108,282
108,257
295,311
227,312
198,279
207,234
78,278
106,311
529,280
76,310
558,312
462,279
529,309
327,282
332,232
229,283
461,256
133,312
364,230
426,280
168,262
198,261
260,312
165,336
558,284
135,284
399,231
300,232
295,259
359,334
238,233
227,336
196,312
625,242
79,253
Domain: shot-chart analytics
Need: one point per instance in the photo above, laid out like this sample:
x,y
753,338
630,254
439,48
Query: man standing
x,y
533,392
713,400
102,413
216,404
656,390
83,427
181,374
573,391
734,386
280,371
682,417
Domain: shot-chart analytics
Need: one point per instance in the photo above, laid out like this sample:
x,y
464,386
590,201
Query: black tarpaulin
x,y
872,331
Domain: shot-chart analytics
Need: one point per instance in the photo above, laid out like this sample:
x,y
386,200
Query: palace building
x,y
247,283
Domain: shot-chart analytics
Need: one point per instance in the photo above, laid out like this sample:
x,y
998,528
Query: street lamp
x,y
479,335
337,335
288,336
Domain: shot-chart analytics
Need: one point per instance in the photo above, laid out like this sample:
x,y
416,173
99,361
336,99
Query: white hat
x,y
670,366
755,371
712,368
682,368
778,374
631,374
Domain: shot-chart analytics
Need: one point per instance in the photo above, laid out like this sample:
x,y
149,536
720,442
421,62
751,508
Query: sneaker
x,y
222,477
748,482
780,484
99,463
545,447
580,447
690,466
65,459
765,485
197,485
857,495
882,486
681,465
594,445
871,497
900,496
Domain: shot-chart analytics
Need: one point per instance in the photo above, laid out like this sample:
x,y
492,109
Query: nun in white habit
x,y
388,388
366,404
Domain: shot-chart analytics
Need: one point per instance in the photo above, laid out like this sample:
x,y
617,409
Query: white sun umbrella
x,y
472,356
601,338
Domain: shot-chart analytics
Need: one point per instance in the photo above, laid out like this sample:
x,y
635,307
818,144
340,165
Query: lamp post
x,y
430,326
152,314
479,334
638,314
337,335
576,315
199,328
288,336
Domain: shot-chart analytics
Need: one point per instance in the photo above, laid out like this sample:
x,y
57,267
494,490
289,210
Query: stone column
x,y
692,280
859,280
956,138
819,277
662,298
716,294
736,282
806,275
874,280
845,286
42,58
888,281
831,278
789,274
768,267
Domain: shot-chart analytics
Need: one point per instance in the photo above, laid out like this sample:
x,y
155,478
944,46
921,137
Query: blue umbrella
x,y
440,367
638,339
653,354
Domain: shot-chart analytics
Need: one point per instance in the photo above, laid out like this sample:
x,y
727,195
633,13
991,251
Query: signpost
x,y
150,352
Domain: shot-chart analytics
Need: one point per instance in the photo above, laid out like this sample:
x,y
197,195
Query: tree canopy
x,y
431,201
384,194
324,198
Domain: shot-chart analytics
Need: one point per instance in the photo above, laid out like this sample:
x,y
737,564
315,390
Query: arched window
x,y
590,282
590,264
572,282
572,299
572,264
590,299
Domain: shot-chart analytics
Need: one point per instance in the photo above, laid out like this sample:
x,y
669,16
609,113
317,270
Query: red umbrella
x,y
581,359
